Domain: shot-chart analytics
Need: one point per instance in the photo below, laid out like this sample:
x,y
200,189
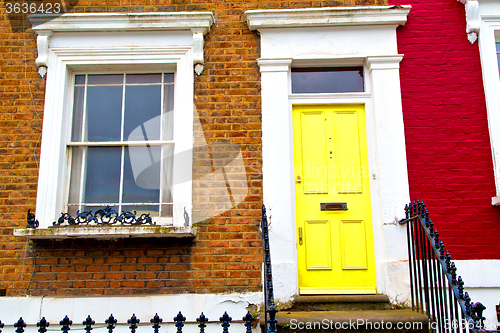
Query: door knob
x,y
299,180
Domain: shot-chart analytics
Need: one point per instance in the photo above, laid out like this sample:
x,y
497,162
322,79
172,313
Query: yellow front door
x,y
334,227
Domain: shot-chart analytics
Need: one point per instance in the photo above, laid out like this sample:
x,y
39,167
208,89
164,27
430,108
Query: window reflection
x,y
323,80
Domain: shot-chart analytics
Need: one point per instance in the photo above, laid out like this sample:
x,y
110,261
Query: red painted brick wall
x,y
227,255
448,149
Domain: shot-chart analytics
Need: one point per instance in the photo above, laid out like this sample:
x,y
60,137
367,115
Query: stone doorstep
x,y
379,298
340,303
368,320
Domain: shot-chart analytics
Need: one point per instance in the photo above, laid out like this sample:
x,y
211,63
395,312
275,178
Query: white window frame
x,y
489,34
114,42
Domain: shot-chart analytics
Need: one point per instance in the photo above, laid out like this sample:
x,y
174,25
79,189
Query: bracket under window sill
x,y
106,232
495,201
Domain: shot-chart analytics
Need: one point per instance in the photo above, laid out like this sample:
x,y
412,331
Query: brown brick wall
x,y
227,254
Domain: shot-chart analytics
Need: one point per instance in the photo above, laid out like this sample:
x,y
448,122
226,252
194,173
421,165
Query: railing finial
x,y
179,322
20,325
111,321
202,322
43,324
88,324
133,321
65,324
225,320
248,319
156,321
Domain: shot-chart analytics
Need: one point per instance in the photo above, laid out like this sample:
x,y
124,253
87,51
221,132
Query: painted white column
x,y
392,170
278,186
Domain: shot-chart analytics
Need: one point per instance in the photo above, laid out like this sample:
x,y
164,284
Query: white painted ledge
x,y
328,16
78,22
106,232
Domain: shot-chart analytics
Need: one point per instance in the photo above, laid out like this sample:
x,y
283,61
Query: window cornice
x,y
81,22
45,25
328,16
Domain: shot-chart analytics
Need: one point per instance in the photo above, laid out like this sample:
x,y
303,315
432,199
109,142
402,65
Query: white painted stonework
x,y
323,37
489,21
103,43
213,306
482,284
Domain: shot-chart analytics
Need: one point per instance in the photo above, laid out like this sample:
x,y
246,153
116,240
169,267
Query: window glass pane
x,y
105,79
498,55
327,80
168,78
143,78
153,210
76,175
102,181
141,176
168,115
78,99
79,79
104,113
142,111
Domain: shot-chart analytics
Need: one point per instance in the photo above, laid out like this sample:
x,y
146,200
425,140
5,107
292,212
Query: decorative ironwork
x,y
20,325
202,320
65,324
248,319
133,321
31,220
111,322
156,321
88,324
179,322
225,320
434,286
104,216
43,324
270,309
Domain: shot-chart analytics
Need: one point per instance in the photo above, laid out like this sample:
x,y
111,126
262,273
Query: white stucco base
x,y
32,309
482,284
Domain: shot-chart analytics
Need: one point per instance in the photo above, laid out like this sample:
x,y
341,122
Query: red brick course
x,y
448,149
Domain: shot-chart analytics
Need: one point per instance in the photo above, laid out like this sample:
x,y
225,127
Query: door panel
x,y
318,245
334,245
353,245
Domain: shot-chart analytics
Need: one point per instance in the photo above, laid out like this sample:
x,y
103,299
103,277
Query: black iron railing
x,y
270,309
435,288
133,323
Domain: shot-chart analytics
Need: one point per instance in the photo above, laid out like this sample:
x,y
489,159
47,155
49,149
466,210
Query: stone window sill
x,y
107,232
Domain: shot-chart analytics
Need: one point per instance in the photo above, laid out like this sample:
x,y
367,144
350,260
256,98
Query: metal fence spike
x,y
20,325
156,321
202,320
179,322
111,322
88,324
248,319
133,321
65,324
225,320
43,324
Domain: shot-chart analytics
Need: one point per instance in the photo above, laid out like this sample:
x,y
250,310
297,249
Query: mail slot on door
x,y
332,206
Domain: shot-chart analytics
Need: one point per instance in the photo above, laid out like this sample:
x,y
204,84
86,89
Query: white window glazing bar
x,y
122,164
83,172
